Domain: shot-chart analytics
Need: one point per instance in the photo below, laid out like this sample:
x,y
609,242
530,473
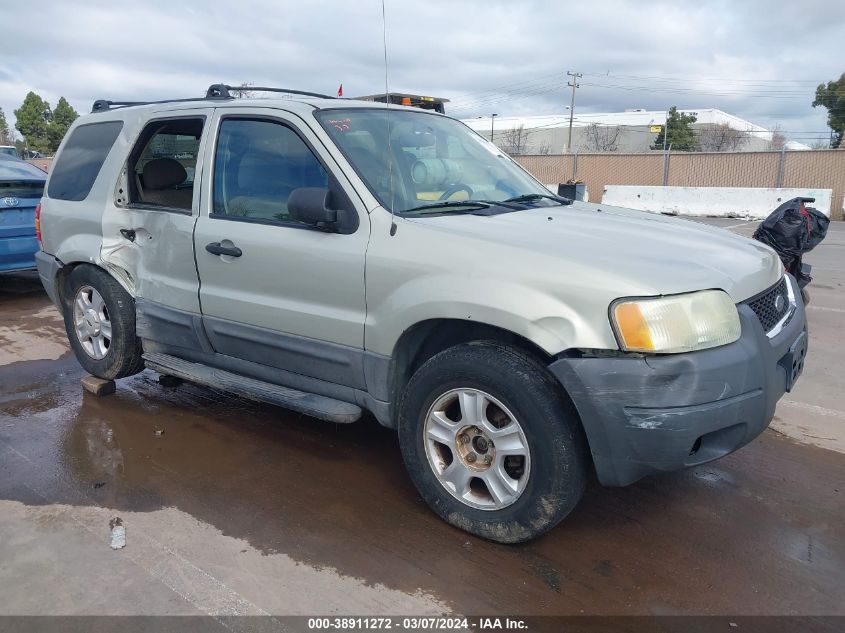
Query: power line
x,y
630,128
539,89
727,92
682,86
520,83
538,83
721,79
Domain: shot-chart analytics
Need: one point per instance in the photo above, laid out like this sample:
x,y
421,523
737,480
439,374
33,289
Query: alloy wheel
x,y
91,322
477,449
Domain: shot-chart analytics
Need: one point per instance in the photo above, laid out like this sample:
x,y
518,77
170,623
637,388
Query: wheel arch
x,y
121,276
425,339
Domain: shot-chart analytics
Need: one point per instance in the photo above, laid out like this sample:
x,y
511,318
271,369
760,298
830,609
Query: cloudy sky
x,y
758,59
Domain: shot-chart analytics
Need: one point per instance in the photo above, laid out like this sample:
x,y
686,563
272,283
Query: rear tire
x,y
99,319
529,460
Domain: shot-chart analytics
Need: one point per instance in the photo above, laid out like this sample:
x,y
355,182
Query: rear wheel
x,y
491,443
100,322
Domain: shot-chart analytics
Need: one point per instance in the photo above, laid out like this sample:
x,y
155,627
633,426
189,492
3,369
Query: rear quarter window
x,y
81,159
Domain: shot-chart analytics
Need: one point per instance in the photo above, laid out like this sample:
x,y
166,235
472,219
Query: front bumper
x,y
651,414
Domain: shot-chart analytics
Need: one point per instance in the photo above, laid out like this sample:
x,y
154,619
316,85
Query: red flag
x,y
340,90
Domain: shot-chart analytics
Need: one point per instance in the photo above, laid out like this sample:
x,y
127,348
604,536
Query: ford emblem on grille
x,y
779,301
9,201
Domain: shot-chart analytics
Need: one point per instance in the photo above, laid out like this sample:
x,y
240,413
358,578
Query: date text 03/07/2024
x,y
419,623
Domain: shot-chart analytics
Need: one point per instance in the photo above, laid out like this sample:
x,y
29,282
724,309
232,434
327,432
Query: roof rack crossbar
x,y
223,90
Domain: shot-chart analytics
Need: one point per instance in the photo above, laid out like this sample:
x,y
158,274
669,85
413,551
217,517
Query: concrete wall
x,y
730,202
820,169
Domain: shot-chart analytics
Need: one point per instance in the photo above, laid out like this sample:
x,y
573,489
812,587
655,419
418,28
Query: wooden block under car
x,y
98,386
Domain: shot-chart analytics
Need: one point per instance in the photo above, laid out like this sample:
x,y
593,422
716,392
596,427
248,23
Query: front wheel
x,y
491,443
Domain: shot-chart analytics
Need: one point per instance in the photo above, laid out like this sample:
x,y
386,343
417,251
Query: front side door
x,y
273,290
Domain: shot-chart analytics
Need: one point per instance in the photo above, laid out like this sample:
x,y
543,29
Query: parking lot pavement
x,y
236,507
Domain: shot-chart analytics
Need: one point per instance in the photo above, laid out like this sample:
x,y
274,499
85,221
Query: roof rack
x,y
215,92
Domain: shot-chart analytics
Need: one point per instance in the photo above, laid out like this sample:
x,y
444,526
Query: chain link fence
x,y
823,169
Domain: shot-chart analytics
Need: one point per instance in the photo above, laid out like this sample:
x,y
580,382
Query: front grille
x,y
765,306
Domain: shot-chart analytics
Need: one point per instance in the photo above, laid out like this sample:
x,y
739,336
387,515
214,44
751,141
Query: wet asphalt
x,y
761,531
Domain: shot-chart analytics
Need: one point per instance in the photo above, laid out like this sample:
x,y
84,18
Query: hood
x,y
648,254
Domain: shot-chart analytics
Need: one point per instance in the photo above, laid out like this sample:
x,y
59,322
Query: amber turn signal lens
x,y
632,327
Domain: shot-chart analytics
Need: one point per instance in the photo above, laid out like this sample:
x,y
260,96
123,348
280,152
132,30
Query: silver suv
x,y
334,256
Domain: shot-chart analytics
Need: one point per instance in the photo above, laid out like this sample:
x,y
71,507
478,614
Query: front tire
x,y
491,443
99,319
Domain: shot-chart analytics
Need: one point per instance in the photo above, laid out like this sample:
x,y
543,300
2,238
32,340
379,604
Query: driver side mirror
x,y
310,206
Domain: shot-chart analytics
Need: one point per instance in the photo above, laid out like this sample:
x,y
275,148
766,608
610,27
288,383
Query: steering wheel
x,y
451,191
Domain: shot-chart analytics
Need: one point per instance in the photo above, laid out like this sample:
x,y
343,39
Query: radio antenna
x,y
387,120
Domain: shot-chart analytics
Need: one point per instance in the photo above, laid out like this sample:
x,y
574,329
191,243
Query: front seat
x,y
160,178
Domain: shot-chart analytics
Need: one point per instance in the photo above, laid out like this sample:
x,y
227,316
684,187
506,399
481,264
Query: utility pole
x,y
492,121
573,84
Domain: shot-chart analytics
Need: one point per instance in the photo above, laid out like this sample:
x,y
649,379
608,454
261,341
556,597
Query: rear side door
x,y
293,297
148,225
21,187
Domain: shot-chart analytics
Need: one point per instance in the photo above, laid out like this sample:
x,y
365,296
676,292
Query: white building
x,y
629,131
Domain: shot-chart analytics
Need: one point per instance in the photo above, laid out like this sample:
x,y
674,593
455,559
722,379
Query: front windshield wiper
x,y
514,204
447,204
529,197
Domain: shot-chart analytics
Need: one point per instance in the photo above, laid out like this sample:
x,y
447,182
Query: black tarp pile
x,y
792,230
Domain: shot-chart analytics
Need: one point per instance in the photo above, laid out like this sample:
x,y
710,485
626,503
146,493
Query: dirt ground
x,y
233,507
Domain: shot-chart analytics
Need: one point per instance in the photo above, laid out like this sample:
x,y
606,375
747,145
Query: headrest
x,y
163,173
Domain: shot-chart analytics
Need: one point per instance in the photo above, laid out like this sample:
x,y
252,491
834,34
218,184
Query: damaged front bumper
x,y
648,414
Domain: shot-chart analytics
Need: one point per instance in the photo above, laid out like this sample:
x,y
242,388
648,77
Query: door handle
x,y
129,234
216,248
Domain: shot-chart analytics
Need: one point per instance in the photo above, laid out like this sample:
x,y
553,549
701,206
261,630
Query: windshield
x,y
429,159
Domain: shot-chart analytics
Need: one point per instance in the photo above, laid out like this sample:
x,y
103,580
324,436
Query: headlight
x,y
680,323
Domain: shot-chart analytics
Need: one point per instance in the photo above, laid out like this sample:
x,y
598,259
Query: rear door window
x,y
81,159
163,164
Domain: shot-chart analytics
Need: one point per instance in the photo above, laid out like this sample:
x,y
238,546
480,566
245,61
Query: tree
x,y
63,116
243,91
6,136
678,132
778,140
33,122
602,138
515,140
832,97
721,137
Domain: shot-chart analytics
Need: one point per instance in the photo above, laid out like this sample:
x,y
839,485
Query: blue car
x,y
21,188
